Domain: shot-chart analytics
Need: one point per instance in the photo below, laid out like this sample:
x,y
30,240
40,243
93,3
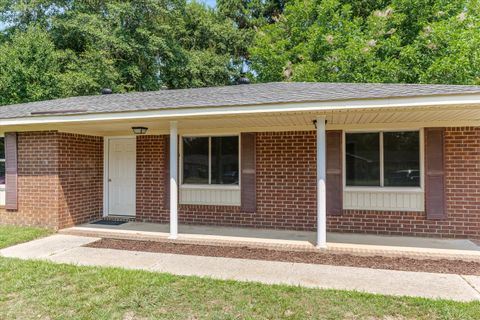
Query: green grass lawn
x,y
10,235
43,290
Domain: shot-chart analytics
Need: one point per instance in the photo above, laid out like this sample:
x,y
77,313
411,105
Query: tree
x,y
28,68
251,13
135,35
248,16
447,50
413,41
210,50
22,14
132,45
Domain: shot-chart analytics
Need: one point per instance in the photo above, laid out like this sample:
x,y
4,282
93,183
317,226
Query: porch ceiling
x,y
368,118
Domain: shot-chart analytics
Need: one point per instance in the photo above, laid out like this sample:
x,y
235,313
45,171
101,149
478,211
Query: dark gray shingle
x,y
254,94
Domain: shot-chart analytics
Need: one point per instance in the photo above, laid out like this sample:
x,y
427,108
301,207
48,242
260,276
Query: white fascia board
x,y
174,113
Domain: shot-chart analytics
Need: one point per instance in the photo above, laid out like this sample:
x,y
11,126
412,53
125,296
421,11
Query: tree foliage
x,y
60,48
413,41
29,65
251,13
133,45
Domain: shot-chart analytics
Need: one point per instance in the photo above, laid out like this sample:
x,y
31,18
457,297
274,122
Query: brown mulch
x,y
336,259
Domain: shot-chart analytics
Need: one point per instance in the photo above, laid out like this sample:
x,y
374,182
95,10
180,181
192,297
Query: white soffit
x,y
357,119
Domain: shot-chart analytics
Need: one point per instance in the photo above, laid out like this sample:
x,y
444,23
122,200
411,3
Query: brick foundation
x,y
59,180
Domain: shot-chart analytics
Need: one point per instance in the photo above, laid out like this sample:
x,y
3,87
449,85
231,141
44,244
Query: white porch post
x,y
321,188
173,180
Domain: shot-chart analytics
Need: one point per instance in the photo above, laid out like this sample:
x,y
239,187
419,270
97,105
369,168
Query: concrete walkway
x,y
68,249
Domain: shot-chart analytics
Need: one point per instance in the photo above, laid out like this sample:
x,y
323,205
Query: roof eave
x,y
311,106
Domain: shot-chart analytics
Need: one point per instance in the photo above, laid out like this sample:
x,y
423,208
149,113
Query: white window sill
x,y
210,186
199,203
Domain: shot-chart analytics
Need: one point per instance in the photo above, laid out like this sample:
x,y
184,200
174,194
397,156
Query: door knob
x,y
109,180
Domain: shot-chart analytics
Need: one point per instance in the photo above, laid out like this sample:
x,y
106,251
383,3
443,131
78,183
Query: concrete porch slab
x,y
361,244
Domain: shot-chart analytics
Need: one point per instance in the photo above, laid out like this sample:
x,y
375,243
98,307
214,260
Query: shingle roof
x,y
239,95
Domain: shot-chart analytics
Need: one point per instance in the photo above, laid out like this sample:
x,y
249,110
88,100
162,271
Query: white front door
x,y
121,176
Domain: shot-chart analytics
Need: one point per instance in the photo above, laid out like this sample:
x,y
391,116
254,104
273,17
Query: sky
x,y
211,3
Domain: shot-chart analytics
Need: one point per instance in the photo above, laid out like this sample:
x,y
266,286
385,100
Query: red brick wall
x,y
462,151
150,179
286,179
60,183
81,178
59,180
286,191
285,185
38,183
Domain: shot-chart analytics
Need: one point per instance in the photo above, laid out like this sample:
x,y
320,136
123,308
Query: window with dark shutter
x,y
435,199
11,175
2,161
248,176
334,173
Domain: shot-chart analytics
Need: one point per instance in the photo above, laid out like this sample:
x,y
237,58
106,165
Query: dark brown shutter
x,y
248,180
435,199
11,159
166,170
334,172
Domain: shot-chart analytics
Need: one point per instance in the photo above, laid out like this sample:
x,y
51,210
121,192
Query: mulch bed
x,y
336,259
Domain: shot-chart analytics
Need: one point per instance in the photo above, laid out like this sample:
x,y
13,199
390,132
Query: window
x,y
387,159
224,160
195,160
363,159
2,160
211,160
401,159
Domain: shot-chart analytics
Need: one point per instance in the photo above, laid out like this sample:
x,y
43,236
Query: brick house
x,y
390,159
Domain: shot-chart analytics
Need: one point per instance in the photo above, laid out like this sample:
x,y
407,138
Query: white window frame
x,y
383,188
209,185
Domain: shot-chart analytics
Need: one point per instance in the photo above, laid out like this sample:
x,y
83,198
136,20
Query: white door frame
x,y
106,156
